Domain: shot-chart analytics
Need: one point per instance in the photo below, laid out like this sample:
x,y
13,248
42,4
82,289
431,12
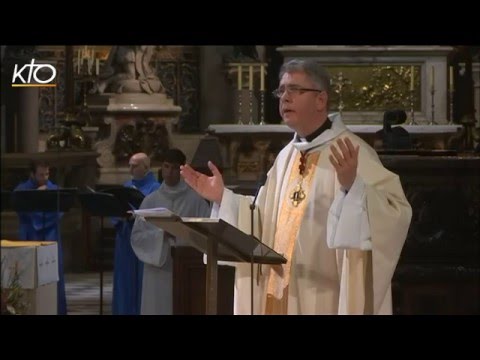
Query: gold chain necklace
x,y
298,194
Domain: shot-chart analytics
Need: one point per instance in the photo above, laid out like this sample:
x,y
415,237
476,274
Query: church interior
x,y
417,106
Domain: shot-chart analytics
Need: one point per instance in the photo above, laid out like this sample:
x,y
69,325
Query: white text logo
x,y
19,80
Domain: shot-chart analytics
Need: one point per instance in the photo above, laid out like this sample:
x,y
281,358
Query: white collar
x,y
337,128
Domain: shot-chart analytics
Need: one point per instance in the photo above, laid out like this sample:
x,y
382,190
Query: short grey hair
x,y
316,72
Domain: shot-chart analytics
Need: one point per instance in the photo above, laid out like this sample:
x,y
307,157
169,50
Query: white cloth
x,y
347,224
153,248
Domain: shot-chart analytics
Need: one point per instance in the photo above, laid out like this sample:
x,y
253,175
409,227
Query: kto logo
x,y
34,71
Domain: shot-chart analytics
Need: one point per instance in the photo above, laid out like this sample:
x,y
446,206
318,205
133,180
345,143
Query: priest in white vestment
x,y
328,205
153,246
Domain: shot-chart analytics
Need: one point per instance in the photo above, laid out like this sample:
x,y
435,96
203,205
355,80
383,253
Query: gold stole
x,y
289,220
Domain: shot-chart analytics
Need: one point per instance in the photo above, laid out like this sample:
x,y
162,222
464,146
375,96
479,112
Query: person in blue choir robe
x,y
41,226
128,270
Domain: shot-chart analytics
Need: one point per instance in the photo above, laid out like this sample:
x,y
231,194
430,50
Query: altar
x,y
367,80
249,150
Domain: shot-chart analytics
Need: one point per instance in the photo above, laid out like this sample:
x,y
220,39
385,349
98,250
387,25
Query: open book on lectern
x,y
233,244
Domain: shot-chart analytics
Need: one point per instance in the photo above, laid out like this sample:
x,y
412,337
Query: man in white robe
x,y
153,246
328,205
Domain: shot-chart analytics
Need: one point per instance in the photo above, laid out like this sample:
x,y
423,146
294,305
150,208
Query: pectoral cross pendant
x,y
298,195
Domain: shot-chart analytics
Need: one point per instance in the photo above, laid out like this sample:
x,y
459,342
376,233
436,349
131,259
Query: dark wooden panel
x,y
189,277
439,268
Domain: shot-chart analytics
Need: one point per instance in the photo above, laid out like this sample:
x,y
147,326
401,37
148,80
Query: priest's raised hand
x,y
209,187
346,162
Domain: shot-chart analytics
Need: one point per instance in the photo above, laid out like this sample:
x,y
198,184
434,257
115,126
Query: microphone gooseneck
x,y
260,183
253,205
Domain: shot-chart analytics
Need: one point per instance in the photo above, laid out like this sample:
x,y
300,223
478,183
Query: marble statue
x,y
128,70
246,54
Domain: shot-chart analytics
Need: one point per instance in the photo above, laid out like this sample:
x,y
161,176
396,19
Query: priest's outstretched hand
x,y
209,187
345,162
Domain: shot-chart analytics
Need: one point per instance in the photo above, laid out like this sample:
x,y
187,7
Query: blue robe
x,y
128,269
32,228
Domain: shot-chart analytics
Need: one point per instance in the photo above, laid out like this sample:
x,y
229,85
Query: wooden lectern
x,y
217,239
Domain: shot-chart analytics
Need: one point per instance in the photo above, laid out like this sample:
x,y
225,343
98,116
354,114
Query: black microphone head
x,y
261,179
394,117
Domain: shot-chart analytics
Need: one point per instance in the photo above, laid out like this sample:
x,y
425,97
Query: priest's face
x,y
170,173
302,103
41,175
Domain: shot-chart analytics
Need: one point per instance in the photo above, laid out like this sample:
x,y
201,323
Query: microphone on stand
x,y
261,181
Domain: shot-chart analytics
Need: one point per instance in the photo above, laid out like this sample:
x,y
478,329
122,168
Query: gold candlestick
x,y
432,120
262,107
239,107
340,82
250,93
451,91
250,97
239,94
412,110
262,94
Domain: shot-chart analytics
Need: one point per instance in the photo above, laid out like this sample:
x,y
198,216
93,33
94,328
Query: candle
x,y
451,78
262,77
250,77
97,66
412,78
239,77
432,76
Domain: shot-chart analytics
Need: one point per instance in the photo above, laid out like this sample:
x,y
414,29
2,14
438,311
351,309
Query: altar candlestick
x,y
239,77
451,77
262,78
250,78
432,75
412,78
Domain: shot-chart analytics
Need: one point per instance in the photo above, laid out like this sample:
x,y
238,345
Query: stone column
x,y
216,93
28,127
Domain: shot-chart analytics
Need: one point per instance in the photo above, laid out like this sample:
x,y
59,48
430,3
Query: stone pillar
x,y
216,92
28,127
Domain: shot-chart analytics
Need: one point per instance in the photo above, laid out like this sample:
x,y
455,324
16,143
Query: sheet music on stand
x,y
155,212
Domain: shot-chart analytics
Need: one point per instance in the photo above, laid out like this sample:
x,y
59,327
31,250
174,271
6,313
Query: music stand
x,y
128,195
103,205
50,200
220,241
